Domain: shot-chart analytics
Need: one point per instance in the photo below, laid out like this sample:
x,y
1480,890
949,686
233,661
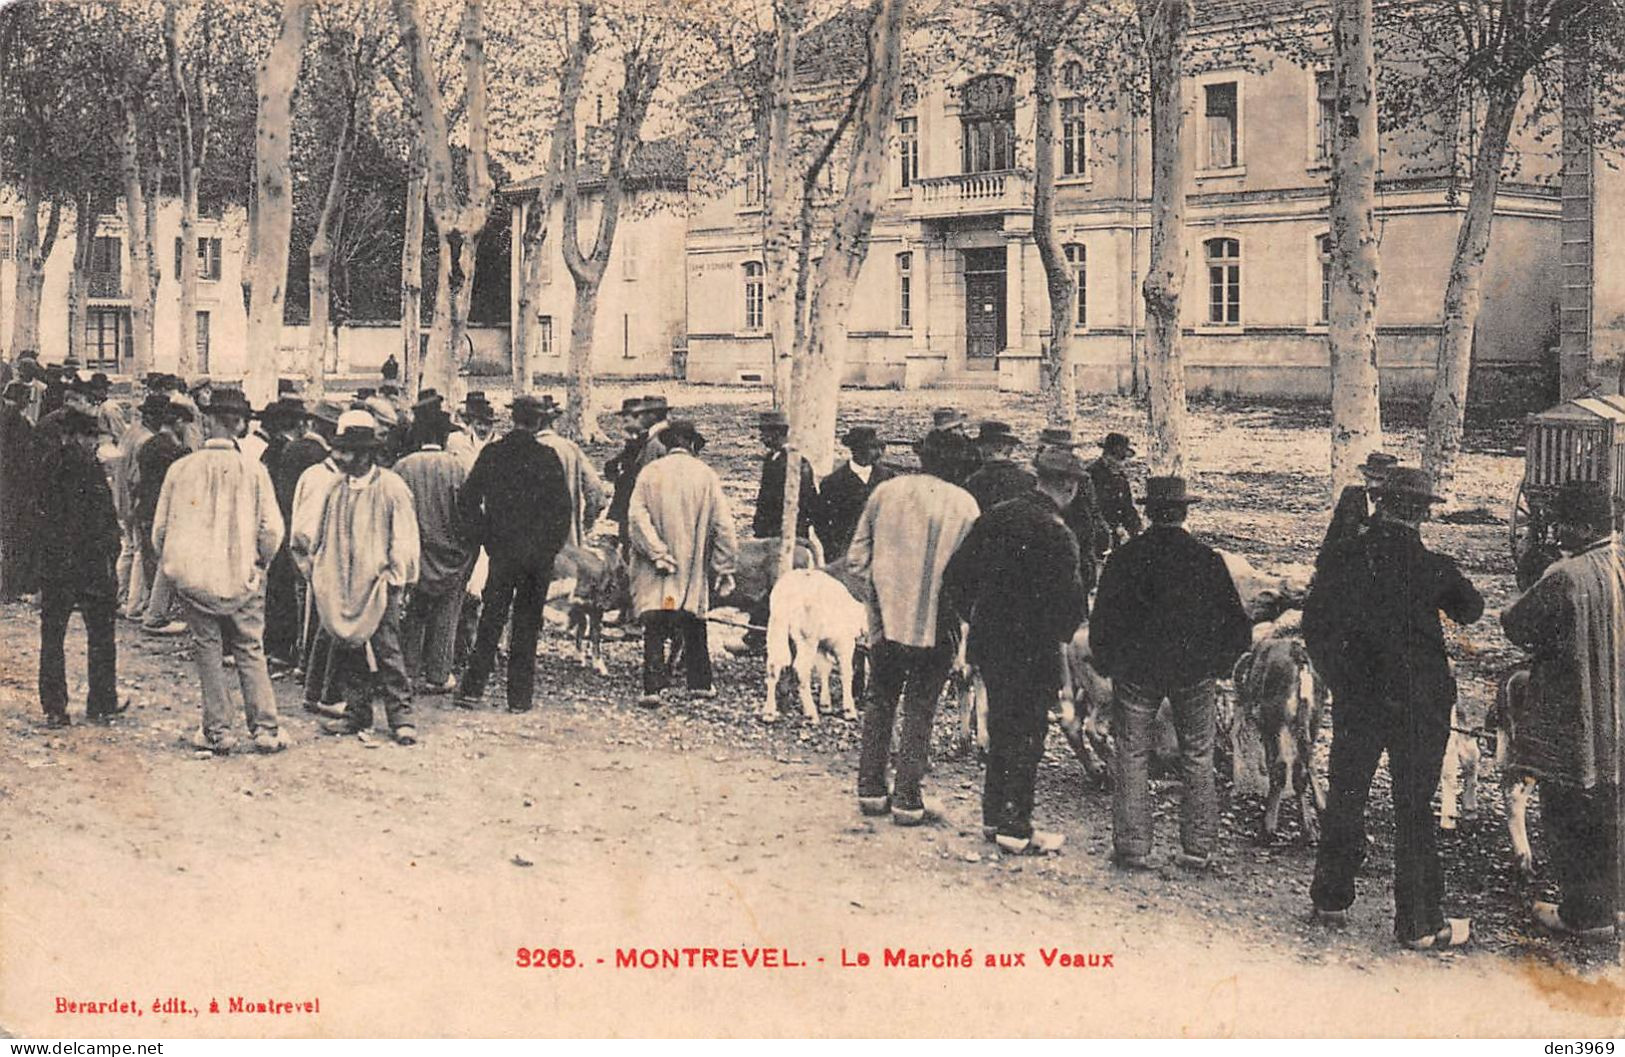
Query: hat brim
x,y
1409,493
355,443
1180,500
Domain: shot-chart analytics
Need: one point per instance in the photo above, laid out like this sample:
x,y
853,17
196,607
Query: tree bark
x,y
1163,24
33,250
779,203
459,214
1352,321
1059,375
1464,293
188,167
821,356
640,76
277,77
84,239
142,286
412,275
329,229
538,214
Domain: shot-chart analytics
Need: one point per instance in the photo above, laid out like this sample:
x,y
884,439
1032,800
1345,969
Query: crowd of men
x,y
375,546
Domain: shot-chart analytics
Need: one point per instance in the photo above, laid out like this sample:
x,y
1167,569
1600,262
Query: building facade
x,y
952,291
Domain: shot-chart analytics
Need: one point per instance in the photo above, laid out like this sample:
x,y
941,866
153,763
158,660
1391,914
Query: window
x,y
544,263
905,291
753,295
208,259
1073,133
106,256
544,335
8,238
1325,114
106,332
751,191
203,342
1223,126
1078,260
989,124
629,257
1323,250
908,151
1223,281
1072,76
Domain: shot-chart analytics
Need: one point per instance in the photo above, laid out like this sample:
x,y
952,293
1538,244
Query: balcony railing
x,y
106,284
969,194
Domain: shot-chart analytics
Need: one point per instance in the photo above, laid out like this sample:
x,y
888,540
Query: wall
x,y
1608,312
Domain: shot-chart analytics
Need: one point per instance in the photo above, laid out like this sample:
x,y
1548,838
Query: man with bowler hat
x,y
515,504
773,426
1109,473
77,548
1353,512
1167,624
1372,627
999,478
363,555
842,495
1015,581
586,487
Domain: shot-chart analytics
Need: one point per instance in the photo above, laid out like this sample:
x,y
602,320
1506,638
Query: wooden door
x,y
984,308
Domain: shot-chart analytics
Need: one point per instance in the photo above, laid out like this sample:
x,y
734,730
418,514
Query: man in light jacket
x,y
683,546
217,528
908,530
586,487
435,476
363,554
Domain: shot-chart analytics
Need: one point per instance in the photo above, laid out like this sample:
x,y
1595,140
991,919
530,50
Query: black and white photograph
x,y
906,519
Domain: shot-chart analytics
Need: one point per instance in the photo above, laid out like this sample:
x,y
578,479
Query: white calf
x,y
814,618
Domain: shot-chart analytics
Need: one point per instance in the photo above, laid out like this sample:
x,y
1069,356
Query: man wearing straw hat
x,y
1372,627
363,555
216,530
1566,730
1167,624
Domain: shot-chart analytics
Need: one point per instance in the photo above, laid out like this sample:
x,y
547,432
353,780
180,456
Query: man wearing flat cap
x,y
1113,492
842,495
77,548
1015,581
774,429
1167,624
683,551
1372,627
1566,722
362,556
515,504
216,530
1353,512
999,478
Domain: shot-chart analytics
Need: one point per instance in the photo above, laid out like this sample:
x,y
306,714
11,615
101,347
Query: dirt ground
x,y
396,885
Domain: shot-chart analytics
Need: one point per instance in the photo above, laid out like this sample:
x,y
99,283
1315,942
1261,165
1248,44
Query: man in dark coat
x,y
774,428
78,549
1372,627
1566,723
1015,580
78,396
153,460
646,418
515,504
999,478
1082,515
283,422
843,493
19,480
1109,473
1352,515
1167,623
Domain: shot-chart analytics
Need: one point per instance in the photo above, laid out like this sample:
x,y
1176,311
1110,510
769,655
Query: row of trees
x,y
291,107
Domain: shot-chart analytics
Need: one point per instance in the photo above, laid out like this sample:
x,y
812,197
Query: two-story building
x,y
222,324
952,291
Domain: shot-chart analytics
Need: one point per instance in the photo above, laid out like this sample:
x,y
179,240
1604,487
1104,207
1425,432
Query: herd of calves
x,y
1269,715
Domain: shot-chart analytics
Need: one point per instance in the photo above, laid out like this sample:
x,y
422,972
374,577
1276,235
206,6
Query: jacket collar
x,y
220,444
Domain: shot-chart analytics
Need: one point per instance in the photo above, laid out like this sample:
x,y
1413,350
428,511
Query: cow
x,y
813,619
599,583
1280,695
